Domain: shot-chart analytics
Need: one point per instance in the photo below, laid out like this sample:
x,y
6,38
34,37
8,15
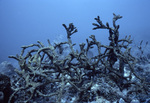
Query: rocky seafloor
x,y
107,92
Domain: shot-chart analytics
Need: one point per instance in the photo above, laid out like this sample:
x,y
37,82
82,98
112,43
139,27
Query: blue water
x,y
23,22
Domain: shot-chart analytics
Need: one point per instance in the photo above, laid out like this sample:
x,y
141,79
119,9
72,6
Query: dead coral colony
x,y
44,74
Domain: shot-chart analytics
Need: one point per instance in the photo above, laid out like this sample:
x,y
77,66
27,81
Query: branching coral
x,y
43,73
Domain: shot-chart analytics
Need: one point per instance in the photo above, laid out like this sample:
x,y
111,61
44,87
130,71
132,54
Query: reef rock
x,y
7,68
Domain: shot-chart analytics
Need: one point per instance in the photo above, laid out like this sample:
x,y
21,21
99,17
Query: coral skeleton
x,y
45,74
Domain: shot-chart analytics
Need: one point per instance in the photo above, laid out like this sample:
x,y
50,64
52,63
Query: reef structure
x,y
45,74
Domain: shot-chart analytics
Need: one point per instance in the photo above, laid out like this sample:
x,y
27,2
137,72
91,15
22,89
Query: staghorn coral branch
x,y
42,66
115,18
100,24
70,30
